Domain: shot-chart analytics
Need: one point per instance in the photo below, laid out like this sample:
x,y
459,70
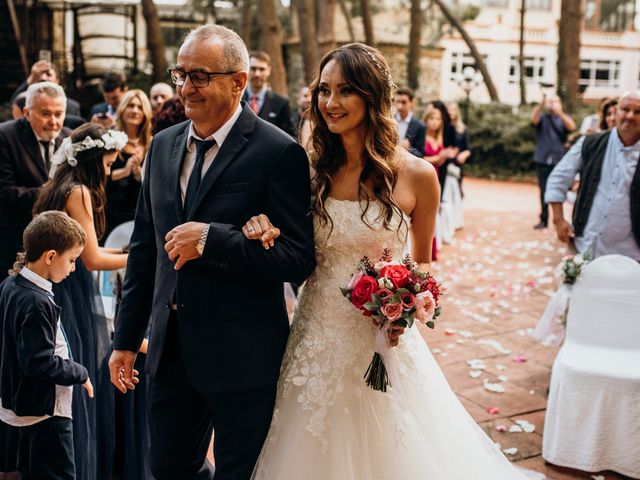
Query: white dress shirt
x,y
403,125
64,394
608,228
190,157
261,94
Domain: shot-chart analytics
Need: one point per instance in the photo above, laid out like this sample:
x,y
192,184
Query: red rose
x,y
430,285
363,290
398,274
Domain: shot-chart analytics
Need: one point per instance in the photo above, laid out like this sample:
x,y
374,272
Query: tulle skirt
x,y
420,431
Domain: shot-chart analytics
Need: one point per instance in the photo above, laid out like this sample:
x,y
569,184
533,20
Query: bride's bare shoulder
x,y
416,170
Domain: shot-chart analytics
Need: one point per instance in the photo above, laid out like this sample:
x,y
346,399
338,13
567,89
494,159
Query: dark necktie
x,y
202,146
47,160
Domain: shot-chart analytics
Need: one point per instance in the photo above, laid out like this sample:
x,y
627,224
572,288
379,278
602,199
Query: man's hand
x,y
393,333
105,121
406,144
123,376
38,69
88,387
564,230
182,241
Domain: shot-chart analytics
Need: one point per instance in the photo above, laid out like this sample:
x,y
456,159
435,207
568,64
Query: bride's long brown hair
x,y
367,72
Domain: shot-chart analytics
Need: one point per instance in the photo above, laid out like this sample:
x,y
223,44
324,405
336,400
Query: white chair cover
x,y
593,413
452,195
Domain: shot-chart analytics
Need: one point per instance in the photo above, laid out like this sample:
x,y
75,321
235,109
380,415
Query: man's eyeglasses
x,y
199,78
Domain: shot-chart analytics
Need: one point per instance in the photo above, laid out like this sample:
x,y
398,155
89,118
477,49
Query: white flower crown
x,y
112,140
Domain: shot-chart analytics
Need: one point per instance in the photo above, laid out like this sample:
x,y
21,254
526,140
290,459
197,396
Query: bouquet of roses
x,y
389,292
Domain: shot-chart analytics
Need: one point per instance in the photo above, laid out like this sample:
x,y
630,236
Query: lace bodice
x,y
331,342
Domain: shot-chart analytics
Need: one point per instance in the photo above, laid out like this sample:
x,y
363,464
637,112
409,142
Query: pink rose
x,y
425,306
393,311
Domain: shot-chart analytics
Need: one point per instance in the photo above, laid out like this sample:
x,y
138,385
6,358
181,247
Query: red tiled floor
x,y
499,275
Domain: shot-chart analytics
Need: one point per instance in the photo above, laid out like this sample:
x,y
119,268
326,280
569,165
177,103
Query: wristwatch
x,y
203,240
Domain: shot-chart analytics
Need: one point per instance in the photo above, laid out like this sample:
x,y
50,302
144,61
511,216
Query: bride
x,y
368,195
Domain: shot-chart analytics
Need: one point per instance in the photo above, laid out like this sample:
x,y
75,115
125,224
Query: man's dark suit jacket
x,y
416,134
231,313
29,370
22,173
275,110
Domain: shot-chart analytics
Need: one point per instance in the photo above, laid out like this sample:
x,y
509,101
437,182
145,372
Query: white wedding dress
x,y
328,424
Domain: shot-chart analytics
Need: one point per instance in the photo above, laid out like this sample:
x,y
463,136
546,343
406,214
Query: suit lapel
x,y
229,150
30,144
176,161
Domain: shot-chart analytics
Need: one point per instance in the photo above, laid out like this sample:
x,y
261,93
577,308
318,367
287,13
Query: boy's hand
x,y
88,387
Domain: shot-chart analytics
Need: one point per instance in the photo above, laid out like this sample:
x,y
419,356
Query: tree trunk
x,y
155,43
245,22
271,42
569,53
326,14
455,23
347,19
413,62
367,22
523,77
308,38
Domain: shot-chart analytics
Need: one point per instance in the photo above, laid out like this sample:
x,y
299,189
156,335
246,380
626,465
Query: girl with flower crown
x,y
77,187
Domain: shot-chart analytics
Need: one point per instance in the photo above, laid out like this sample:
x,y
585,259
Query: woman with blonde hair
x,y
133,117
369,194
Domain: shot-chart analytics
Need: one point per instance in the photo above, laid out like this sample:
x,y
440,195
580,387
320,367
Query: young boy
x,y
37,370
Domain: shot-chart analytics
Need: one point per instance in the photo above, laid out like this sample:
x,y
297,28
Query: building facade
x,y
609,55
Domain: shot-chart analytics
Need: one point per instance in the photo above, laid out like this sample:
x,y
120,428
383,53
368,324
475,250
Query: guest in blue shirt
x,y
553,127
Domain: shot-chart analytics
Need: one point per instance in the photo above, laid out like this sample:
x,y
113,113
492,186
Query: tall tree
x,y
326,15
367,22
569,53
155,42
246,19
308,38
347,18
271,42
522,79
413,63
473,50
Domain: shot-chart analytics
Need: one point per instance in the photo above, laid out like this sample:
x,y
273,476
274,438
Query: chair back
x,y
604,309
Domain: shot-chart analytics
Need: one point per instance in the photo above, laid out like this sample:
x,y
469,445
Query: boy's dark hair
x,y
260,55
21,100
405,91
51,230
112,81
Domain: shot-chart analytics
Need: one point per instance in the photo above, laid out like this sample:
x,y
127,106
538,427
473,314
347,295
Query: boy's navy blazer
x,y
29,369
231,313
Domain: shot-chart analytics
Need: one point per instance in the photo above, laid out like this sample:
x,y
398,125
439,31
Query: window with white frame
x,y
540,5
459,60
600,73
495,3
533,69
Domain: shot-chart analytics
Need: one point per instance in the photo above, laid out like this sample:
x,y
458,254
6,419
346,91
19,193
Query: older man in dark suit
x,y
219,325
26,147
266,103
